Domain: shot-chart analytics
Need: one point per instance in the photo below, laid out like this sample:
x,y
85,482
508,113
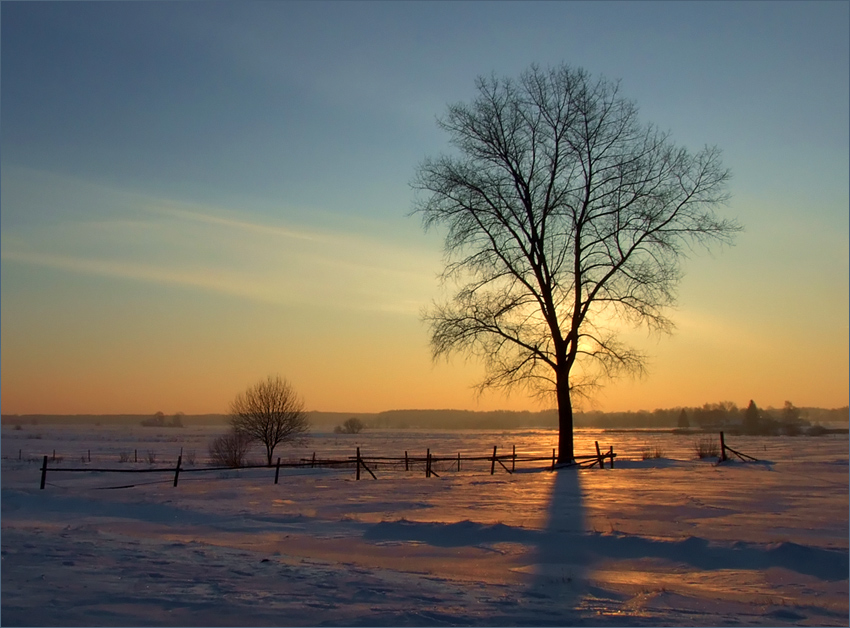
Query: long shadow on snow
x,y
563,549
561,555
831,565
19,503
558,552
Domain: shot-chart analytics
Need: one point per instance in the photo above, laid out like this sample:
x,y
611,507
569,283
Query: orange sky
x,y
188,210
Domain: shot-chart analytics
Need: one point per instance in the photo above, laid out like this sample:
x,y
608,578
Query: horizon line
x,y
543,411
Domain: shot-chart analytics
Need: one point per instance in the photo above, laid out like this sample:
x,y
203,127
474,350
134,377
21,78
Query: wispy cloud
x,y
198,215
215,281
123,235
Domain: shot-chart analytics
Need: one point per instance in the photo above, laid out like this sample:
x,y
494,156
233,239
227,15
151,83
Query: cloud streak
x,y
197,215
217,249
116,269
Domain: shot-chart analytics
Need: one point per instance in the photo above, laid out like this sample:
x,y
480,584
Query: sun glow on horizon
x,y
187,210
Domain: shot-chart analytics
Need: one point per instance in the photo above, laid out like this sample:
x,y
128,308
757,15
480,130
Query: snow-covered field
x,y
667,541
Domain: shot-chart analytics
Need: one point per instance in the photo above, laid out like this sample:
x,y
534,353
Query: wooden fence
x,y
508,462
361,463
724,448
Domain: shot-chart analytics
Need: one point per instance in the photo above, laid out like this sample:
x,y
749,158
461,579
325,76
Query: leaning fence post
x,y
177,470
599,456
277,471
43,471
493,462
357,474
722,448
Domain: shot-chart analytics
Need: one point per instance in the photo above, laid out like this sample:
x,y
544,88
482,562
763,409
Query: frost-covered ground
x,y
671,541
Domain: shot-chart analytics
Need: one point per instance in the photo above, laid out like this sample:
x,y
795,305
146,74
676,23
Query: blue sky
x,y
195,195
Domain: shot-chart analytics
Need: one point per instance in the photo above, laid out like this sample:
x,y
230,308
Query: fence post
x,y
458,461
553,458
611,453
177,470
406,468
599,456
313,461
135,455
43,471
357,474
493,461
722,448
54,455
277,471
513,461
428,463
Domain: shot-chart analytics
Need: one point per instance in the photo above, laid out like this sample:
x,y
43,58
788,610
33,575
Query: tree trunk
x,y
565,420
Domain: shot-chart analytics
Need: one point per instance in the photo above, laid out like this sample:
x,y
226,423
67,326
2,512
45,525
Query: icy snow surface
x,y
670,541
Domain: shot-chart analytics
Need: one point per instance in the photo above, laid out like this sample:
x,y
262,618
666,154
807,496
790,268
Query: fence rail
x,y
508,462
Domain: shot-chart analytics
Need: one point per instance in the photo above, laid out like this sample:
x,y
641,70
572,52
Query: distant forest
x,y
786,420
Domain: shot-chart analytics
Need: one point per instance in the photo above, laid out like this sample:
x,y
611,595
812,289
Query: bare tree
x,y
271,412
566,217
350,426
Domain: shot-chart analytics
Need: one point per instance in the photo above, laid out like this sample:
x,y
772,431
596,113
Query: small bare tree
x,y
565,216
270,412
350,426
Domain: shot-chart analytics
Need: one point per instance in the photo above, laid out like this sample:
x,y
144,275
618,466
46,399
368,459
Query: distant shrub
x,y
817,430
650,452
792,429
151,457
190,456
124,457
229,450
706,448
350,426
159,420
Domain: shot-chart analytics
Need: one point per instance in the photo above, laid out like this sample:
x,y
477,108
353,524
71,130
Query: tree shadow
x,y
558,574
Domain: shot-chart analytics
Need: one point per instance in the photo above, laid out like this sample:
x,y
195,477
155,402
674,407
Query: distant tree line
x,y
461,419
159,420
725,414
709,416
789,420
350,426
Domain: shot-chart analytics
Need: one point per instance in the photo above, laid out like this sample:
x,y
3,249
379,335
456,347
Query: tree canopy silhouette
x,y
271,412
565,217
